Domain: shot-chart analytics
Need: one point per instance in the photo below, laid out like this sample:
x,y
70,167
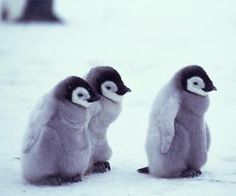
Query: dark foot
x,y
53,18
101,167
71,179
76,178
144,170
54,180
190,173
39,18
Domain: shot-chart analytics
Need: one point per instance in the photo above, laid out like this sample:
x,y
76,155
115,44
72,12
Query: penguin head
x,y
108,83
76,90
195,80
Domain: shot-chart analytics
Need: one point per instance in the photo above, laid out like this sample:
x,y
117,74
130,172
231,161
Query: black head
x,y
195,80
106,80
75,90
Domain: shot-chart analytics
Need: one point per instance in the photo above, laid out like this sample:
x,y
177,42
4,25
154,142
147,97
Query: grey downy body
x,y
108,84
105,114
56,148
178,138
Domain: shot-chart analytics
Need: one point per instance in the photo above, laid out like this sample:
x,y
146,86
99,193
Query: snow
x,y
147,41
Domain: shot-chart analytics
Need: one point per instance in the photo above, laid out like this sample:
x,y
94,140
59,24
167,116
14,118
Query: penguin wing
x,y
166,122
41,114
208,136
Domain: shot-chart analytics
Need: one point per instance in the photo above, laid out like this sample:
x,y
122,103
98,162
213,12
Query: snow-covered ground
x,y
147,41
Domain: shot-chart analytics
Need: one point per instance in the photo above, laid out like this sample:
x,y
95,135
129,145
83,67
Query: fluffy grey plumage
x,y
178,137
56,146
109,85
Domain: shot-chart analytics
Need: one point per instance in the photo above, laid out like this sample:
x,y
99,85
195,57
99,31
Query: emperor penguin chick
x,y
178,138
56,147
107,82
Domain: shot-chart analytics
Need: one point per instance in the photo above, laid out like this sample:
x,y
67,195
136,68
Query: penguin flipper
x,y
39,117
208,136
144,170
166,122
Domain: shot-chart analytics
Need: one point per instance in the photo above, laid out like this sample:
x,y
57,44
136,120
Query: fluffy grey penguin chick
x,y
107,82
178,137
56,148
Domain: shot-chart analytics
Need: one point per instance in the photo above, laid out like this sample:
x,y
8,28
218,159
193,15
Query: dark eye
x,y
80,95
108,87
195,83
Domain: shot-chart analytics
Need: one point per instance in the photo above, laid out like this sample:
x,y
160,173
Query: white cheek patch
x,y
112,96
83,103
81,100
196,89
112,86
111,93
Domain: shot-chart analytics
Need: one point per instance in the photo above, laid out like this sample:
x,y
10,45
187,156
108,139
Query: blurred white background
x,y
147,41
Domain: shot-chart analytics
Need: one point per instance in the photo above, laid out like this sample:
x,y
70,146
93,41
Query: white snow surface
x,y
147,41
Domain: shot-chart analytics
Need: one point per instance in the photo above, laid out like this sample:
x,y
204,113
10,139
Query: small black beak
x,y
93,98
210,88
214,88
123,90
128,90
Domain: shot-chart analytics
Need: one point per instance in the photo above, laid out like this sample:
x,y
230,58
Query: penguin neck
x,y
75,116
195,104
110,110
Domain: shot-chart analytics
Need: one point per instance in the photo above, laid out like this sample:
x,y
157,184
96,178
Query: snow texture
x,y
147,41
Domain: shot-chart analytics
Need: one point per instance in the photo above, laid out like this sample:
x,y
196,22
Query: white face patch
x,y
80,96
109,90
196,85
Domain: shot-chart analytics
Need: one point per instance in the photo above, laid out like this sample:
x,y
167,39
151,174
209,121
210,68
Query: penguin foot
x,y
101,167
72,179
191,173
76,178
144,170
54,180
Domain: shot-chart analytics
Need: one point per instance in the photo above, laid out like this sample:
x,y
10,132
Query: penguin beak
x,y
123,90
210,88
93,98
214,88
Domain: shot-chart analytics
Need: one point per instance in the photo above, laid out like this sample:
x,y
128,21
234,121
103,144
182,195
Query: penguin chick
x,y
28,11
178,138
107,82
56,148
39,11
